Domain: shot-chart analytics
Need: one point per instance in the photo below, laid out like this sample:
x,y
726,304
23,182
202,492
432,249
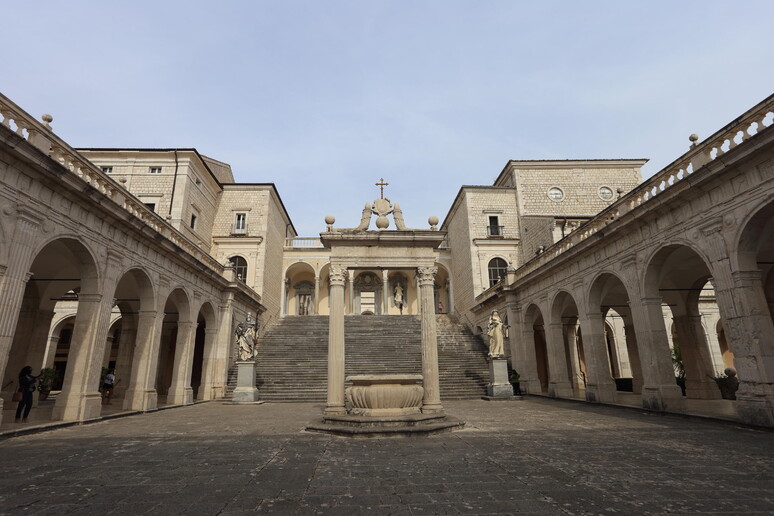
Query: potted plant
x,y
48,376
679,367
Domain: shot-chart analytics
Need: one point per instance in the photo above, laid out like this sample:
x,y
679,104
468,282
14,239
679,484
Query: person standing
x,y
27,387
107,386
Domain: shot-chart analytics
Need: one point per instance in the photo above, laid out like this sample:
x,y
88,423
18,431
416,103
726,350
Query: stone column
x,y
570,336
432,400
524,357
600,386
80,398
634,357
316,295
351,286
141,392
385,292
659,390
559,385
210,361
125,352
13,281
286,297
335,402
750,335
180,392
696,358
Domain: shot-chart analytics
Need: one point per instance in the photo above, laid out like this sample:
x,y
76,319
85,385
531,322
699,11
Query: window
x,y
240,266
494,229
605,193
555,193
240,224
155,170
193,221
150,205
107,170
497,269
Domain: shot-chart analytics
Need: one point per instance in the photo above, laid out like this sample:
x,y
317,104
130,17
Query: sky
x,y
324,98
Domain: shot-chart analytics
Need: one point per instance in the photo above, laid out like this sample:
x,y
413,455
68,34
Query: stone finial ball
x,y
729,372
433,220
47,118
694,137
330,219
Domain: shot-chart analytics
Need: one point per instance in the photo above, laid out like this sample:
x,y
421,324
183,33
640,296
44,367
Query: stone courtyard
x,y
538,456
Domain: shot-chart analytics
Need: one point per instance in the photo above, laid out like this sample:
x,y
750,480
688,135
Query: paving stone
x,y
535,457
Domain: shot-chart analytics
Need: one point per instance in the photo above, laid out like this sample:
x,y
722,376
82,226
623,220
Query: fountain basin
x,y
382,395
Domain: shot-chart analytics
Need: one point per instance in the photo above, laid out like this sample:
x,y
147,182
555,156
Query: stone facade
x,y
595,273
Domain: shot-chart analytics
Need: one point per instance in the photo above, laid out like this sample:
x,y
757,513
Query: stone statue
x,y
397,216
399,297
247,341
495,331
365,218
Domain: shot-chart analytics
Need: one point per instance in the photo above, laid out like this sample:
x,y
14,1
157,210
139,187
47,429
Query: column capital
x,y
426,275
741,277
650,301
89,298
337,276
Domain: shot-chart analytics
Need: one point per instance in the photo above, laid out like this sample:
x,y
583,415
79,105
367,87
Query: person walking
x,y
27,387
108,384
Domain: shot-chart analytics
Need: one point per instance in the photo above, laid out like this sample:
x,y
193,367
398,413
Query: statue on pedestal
x,y
495,331
399,297
246,340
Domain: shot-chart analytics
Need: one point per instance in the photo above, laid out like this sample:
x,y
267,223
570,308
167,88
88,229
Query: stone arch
x,y
299,279
567,361
203,371
58,348
175,348
676,274
135,294
443,289
609,295
535,335
61,265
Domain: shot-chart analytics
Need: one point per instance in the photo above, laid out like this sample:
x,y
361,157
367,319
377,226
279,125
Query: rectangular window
x,y
107,170
193,221
240,223
155,170
494,229
151,206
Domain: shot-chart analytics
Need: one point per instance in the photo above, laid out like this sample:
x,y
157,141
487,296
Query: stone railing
x,y
303,243
41,136
757,119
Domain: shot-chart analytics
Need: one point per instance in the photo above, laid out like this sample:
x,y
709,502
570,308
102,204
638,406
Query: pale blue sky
x,y
325,97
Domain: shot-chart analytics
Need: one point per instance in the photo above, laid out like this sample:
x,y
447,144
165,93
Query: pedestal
x,y
499,386
245,391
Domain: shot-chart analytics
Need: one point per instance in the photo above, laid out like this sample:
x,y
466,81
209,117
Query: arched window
x,y
497,269
240,267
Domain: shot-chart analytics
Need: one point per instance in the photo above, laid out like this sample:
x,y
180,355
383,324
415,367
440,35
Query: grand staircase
x,y
292,362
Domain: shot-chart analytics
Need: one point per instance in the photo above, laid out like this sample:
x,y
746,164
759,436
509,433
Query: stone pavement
x,y
538,456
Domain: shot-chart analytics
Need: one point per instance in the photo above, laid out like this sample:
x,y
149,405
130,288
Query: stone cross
x,y
381,184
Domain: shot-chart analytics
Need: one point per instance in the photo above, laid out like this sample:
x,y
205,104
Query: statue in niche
x,y
495,331
304,303
398,297
247,341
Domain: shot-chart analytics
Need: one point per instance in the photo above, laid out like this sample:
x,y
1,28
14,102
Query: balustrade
x,y
41,136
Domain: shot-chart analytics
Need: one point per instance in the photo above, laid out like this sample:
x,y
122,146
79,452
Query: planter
x,y
386,395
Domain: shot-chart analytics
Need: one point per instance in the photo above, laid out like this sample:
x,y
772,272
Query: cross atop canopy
x,y
381,184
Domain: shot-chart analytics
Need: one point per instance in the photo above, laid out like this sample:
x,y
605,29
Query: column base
x,y
755,410
560,390
78,406
182,396
141,399
702,390
432,408
335,410
604,393
664,398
